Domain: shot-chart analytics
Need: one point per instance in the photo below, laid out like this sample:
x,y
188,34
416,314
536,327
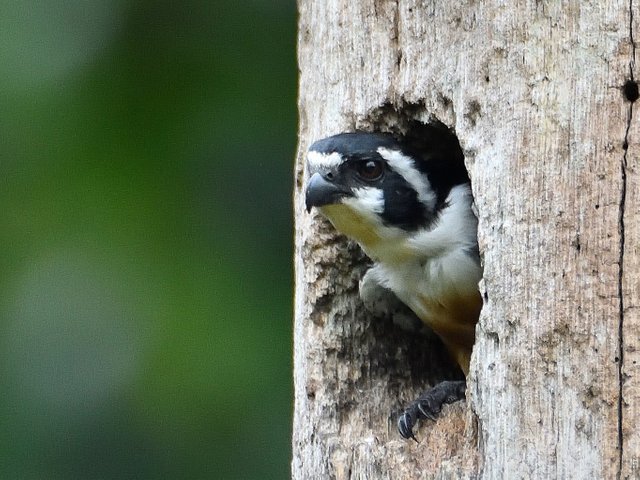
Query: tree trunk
x,y
534,92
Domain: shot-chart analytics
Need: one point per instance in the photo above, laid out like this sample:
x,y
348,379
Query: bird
x,y
407,201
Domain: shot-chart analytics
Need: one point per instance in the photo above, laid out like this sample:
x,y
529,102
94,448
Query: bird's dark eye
x,y
370,170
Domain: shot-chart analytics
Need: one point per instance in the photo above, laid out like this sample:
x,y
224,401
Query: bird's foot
x,y
429,404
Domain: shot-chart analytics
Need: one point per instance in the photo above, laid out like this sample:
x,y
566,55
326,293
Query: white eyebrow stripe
x,y
326,160
404,166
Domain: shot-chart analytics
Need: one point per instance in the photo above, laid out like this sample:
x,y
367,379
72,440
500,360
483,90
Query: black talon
x,y
430,413
429,404
405,426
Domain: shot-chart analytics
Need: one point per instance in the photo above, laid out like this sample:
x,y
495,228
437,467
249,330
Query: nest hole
x,y
414,359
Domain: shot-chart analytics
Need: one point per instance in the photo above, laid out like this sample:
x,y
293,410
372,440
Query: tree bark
x,y
534,92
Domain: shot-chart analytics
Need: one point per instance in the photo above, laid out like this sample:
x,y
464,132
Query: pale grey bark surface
x,y
533,91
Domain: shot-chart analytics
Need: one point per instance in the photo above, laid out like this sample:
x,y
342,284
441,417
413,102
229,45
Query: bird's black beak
x,y
321,191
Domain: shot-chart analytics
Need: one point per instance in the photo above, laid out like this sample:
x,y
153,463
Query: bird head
x,y
374,187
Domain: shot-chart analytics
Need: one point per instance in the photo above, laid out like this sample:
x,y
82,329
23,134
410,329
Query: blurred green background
x,y
146,152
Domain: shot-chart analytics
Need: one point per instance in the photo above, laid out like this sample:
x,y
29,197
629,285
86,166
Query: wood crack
x,y
623,198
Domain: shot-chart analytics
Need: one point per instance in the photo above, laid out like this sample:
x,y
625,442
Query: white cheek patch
x,y
317,160
367,201
405,167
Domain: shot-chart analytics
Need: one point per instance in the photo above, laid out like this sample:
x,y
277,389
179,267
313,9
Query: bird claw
x,y
429,404
405,425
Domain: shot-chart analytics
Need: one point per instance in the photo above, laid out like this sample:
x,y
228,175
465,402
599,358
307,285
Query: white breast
x,y
434,267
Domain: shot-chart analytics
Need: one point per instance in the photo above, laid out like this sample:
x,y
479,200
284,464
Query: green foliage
x,y
146,152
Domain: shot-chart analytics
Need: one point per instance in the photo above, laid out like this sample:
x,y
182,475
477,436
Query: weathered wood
x,y
630,285
534,92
